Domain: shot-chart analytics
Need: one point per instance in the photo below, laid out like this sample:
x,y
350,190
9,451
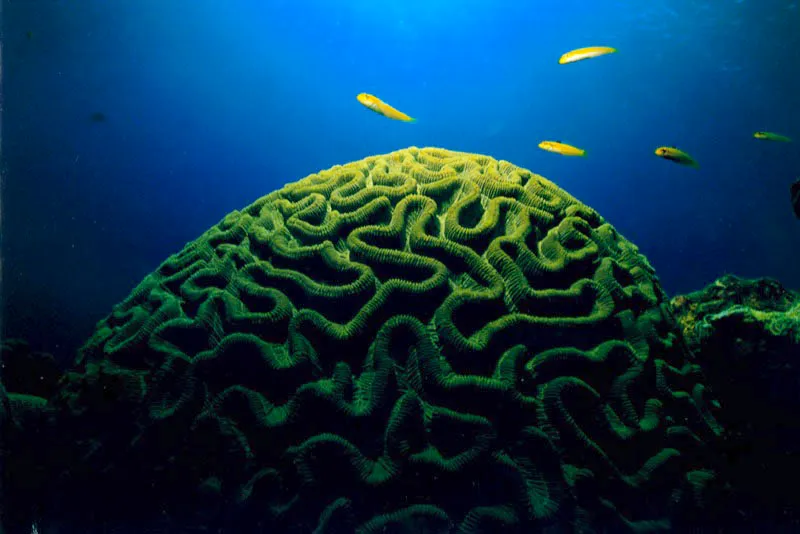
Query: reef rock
x,y
746,335
422,341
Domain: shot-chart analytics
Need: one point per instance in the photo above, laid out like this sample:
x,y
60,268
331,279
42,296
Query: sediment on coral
x,y
422,341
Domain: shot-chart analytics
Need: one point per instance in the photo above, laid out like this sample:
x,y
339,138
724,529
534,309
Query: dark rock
x,y
746,336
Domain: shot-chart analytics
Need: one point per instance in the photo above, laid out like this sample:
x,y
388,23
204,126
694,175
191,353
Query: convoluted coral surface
x,y
422,341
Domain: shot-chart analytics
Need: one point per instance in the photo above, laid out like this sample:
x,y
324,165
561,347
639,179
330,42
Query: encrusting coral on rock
x,y
746,335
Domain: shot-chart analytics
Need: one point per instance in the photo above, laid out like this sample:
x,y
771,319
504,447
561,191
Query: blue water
x,y
210,105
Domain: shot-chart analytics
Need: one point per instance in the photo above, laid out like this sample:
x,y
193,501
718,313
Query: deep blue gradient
x,y
210,105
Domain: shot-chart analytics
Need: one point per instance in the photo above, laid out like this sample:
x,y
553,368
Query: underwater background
x,y
130,127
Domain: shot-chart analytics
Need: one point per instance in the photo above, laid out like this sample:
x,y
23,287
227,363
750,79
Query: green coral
x,y
419,340
746,335
776,323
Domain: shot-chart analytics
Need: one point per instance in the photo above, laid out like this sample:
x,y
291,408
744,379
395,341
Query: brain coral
x,y
422,341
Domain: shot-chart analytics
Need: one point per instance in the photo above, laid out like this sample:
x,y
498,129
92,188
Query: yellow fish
x,y
678,156
769,136
585,53
379,106
561,148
